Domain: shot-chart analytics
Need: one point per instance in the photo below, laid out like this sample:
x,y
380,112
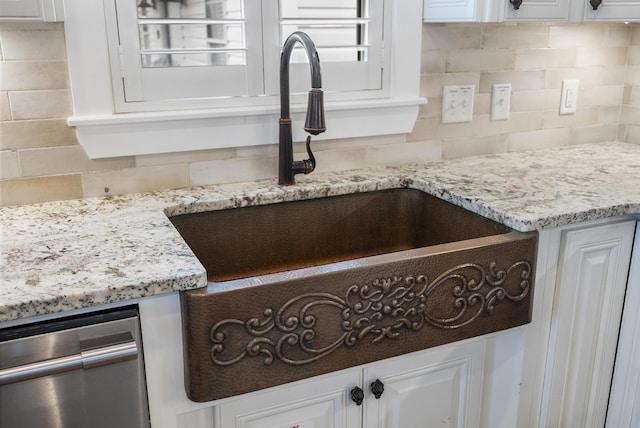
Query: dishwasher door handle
x,y
113,349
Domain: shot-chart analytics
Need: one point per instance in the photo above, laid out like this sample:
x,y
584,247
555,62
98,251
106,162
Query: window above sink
x,y
157,76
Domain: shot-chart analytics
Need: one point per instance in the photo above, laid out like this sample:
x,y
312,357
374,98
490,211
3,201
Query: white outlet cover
x,y
569,96
500,101
457,103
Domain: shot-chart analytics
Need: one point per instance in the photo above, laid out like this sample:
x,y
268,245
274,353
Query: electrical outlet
x,y
569,96
457,103
500,101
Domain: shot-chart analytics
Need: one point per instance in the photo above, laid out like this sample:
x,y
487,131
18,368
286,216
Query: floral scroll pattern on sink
x,y
381,310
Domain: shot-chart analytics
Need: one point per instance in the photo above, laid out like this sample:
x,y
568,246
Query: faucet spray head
x,y
314,124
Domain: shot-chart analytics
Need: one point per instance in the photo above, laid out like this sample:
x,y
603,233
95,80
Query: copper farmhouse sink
x,y
298,289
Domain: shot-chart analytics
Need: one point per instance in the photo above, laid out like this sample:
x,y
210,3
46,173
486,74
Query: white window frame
x,y
105,131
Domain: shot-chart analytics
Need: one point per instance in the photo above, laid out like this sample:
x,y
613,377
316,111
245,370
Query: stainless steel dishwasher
x,y
76,372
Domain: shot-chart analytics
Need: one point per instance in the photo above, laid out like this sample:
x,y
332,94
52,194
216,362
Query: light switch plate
x,y
457,103
569,96
500,101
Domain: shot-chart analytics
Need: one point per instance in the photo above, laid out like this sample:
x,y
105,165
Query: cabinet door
x,y
625,388
321,403
614,10
462,10
590,290
538,10
20,9
434,388
450,11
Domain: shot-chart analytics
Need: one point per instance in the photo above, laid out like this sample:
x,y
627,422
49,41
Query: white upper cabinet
x,y
462,10
539,10
530,10
31,10
612,10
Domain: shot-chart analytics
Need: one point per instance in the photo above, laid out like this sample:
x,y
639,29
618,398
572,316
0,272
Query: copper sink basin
x,y
303,288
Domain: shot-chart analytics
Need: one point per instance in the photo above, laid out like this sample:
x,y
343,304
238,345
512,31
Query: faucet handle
x,y
308,165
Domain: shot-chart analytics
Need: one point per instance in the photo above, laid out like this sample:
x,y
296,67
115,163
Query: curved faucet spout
x,y
314,123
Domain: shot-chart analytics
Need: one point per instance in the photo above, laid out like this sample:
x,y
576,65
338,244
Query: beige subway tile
x,y
432,109
582,117
233,170
33,44
9,166
481,126
621,132
634,55
547,99
626,95
632,134
614,75
347,143
619,34
45,104
431,84
432,62
607,115
451,36
468,60
633,75
28,75
135,180
414,152
601,56
64,160
567,36
635,35
543,59
184,158
593,134
32,134
498,36
24,191
634,96
586,76
473,146
520,80
600,96
481,104
630,115
341,160
5,109
538,139
268,149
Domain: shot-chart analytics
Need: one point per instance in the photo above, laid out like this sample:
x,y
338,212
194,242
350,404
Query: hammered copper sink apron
x,y
298,289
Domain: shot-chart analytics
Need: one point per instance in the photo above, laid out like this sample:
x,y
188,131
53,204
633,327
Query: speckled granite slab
x,y
73,254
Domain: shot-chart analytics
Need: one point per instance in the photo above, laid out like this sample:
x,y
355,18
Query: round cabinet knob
x,y
357,395
377,388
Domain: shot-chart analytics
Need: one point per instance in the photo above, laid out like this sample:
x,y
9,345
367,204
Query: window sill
x,y
104,136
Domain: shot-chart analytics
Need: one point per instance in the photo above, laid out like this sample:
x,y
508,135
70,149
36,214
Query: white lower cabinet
x,y
557,371
440,387
624,401
585,321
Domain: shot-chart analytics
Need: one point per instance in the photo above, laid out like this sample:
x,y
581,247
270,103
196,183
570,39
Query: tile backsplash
x,y
41,160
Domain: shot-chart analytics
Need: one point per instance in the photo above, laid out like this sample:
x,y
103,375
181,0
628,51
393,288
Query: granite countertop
x,y
72,254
